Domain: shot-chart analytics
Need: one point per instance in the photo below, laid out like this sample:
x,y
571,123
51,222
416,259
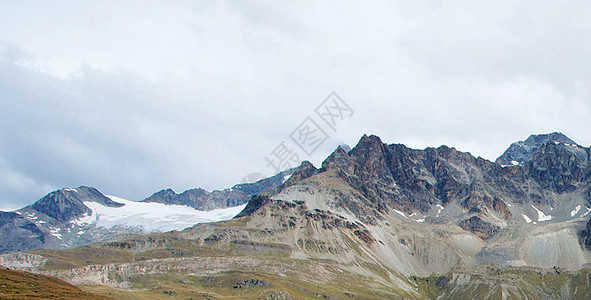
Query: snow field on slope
x,y
156,217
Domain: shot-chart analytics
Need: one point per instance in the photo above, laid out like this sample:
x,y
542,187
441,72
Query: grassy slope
x,y
23,285
223,286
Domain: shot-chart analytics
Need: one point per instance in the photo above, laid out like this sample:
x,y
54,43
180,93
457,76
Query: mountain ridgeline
x,y
204,200
378,221
532,213
473,191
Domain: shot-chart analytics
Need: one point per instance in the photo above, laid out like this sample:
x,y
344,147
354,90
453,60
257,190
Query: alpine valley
x,y
379,221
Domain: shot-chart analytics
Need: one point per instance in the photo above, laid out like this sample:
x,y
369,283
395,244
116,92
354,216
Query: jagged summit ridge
x,y
202,199
520,152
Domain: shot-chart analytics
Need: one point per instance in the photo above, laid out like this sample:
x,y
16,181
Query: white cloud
x,y
133,97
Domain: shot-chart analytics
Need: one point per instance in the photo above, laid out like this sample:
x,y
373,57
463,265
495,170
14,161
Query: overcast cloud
x,y
138,96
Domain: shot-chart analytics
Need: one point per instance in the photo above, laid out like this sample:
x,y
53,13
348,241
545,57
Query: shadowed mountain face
x,y
24,234
520,152
204,200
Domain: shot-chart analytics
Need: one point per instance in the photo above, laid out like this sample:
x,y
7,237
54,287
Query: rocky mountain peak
x,y
305,170
559,167
339,158
67,204
520,152
557,137
368,145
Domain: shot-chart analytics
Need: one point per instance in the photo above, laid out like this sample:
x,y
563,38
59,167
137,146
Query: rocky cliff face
x,y
586,236
520,152
559,168
417,181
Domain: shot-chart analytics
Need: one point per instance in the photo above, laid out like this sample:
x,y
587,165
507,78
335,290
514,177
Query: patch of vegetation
x,y
82,256
501,282
255,283
23,285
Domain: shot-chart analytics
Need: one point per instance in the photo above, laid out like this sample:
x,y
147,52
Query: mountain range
x,y
379,221
72,217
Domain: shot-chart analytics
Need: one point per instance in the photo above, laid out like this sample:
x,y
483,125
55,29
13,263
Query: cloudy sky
x,y
135,97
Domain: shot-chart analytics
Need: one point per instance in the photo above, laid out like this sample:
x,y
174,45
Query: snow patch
x,y
541,216
420,220
514,162
400,213
156,217
285,178
440,209
588,211
30,216
527,219
55,232
86,219
70,190
575,211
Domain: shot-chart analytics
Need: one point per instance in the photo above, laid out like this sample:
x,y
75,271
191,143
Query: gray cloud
x,y
135,97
